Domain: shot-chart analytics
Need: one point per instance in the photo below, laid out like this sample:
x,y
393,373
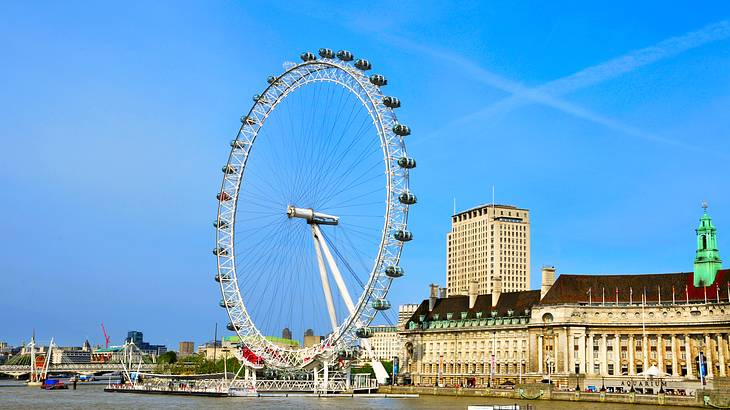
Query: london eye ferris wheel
x,y
313,209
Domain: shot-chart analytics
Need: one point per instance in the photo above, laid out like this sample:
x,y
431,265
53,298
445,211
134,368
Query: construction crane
x,y
106,337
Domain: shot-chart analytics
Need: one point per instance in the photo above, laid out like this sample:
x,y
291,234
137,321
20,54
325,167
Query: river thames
x,y
17,397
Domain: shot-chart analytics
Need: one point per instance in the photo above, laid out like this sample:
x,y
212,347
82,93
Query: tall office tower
x,y
486,242
405,312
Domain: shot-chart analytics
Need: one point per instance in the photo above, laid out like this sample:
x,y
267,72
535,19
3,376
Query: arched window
x,y
704,241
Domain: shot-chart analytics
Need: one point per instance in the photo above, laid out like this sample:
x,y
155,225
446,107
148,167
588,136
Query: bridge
x,y
85,368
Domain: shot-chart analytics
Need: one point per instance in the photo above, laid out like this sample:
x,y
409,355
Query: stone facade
x,y
488,242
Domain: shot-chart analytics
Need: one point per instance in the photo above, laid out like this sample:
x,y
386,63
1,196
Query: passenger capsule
x,y
221,251
378,80
223,196
259,98
326,53
307,56
407,198
364,332
232,327
271,79
224,277
407,163
401,130
222,303
381,304
391,102
229,169
364,65
403,235
245,119
220,224
394,271
238,144
344,55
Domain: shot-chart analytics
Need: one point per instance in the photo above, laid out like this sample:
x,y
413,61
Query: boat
x,y
53,384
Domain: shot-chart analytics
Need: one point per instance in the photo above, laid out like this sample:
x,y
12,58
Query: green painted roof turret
x,y
707,256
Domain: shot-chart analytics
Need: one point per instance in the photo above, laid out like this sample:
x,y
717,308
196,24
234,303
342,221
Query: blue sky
x,y
609,123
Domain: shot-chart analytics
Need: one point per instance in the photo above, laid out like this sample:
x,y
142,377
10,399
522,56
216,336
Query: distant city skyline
x,y
114,132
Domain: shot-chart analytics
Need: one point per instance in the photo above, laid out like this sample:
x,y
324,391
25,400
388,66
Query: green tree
x,y
167,357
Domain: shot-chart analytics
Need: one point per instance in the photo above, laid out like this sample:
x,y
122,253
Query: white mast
x,y
48,360
32,358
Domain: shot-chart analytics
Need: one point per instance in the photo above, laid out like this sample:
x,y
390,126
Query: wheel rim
x,y
296,76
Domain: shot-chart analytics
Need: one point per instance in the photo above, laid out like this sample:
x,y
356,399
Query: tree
x,y
167,357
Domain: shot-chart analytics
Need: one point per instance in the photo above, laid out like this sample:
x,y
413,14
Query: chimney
x,y
472,293
496,290
548,278
442,293
433,296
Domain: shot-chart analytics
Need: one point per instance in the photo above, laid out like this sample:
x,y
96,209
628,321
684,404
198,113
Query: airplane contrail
x,y
549,94
611,69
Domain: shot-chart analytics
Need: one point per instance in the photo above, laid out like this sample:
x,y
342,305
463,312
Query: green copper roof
x,y
707,257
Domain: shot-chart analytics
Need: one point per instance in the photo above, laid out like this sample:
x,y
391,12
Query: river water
x,y
94,397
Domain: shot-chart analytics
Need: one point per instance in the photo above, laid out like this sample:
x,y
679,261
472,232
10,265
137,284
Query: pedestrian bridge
x,y
86,368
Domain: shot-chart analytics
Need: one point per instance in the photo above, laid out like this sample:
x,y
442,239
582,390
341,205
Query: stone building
x,y
487,242
470,339
645,331
386,342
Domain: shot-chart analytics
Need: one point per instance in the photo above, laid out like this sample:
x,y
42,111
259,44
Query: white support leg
x,y
335,271
325,280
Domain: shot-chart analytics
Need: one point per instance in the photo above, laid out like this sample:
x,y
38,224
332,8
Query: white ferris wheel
x,y
313,211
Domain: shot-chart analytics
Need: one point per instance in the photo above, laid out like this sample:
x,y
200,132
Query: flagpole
x,y
590,301
631,295
673,300
643,324
659,292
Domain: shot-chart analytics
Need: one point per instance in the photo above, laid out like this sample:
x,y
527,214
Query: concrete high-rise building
x,y
405,312
185,349
487,242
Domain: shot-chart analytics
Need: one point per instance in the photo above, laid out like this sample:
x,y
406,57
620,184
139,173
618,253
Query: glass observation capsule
x,y
224,278
344,55
406,162
229,169
232,327
402,130
220,224
259,98
220,251
394,271
364,65
307,56
326,53
222,303
378,80
381,304
407,198
403,235
223,196
271,79
391,102
364,332
238,144
245,119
